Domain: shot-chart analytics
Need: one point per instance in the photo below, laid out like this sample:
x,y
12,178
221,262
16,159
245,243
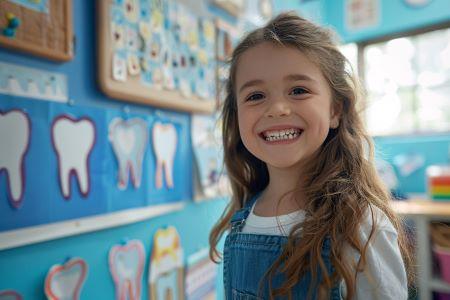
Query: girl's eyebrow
x,y
294,77
250,83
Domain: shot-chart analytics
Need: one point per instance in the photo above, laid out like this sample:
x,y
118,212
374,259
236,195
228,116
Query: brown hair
x,y
342,185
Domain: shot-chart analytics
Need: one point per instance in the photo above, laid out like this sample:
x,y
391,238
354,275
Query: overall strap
x,y
238,219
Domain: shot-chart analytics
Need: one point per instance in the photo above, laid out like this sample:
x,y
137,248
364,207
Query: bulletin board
x,y
43,28
157,53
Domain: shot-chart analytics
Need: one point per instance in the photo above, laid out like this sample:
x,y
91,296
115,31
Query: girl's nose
x,y
278,108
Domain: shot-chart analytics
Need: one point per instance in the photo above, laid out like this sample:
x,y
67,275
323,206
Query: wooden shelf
x,y
439,285
422,207
423,211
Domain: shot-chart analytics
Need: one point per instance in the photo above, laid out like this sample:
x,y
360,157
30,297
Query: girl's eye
x,y
254,97
299,91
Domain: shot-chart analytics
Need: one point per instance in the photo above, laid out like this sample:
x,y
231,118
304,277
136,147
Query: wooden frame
x,y
133,90
233,7
45,35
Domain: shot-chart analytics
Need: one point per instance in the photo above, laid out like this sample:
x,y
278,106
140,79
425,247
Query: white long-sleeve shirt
x,y
385,275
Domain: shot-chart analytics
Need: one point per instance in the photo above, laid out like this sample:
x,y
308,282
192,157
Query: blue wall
x,y
24,268
394,17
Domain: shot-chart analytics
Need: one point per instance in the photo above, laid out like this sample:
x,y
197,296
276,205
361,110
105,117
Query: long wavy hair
x,y
342,185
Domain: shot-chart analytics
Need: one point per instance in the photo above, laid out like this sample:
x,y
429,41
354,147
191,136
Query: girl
x,y
309,217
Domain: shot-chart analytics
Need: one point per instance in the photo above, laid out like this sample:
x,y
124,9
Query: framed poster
x,y
42,28
157,53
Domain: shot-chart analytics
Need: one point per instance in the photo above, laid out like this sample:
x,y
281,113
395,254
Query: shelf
x,y
439,285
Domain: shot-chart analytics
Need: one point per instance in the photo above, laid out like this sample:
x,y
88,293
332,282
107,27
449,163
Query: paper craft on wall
x,y
126,264
208,154
13,149
362,14
129,139
73,141
164,145
201,277
166,266
64,282
10,295
32,83
157,53
39,27
408,163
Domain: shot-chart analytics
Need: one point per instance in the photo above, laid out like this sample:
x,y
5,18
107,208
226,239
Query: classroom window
x,y
408,84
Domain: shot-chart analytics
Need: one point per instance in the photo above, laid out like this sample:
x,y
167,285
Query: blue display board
x,y
61,183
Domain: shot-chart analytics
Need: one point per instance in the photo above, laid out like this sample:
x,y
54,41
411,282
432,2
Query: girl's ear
x,y
336,111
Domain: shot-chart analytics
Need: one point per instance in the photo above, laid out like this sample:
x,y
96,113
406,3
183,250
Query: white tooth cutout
x,y
15,130
73,141
64,282
129,140
164,146
126,264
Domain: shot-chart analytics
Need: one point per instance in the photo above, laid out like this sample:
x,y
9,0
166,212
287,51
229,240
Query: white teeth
x,y
286,134
73,141
13,148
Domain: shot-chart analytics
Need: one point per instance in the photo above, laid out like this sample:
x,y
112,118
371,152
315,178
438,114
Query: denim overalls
x,y
247,257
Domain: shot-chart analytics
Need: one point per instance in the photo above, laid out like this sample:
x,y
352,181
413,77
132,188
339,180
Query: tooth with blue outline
x,y
73,141
164,145
129,140
13,148
126,264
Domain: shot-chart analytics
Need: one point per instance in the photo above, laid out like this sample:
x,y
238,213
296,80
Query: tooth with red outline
x,y
10,295
73,141
64,282
126,264
164,145
13,148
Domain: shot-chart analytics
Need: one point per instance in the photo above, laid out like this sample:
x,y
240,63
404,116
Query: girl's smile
x,y
281,134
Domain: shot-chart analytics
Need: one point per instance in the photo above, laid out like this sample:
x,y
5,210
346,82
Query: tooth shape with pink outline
x,y
73,141
15,130
164,146
129,140
10,295
126,264
64,282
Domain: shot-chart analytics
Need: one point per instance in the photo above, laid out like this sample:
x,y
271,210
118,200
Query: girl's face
x,y
284,105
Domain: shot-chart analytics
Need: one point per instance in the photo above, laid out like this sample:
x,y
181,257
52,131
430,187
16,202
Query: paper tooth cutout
x,y
164,146
64,282
166,271
15,129
126,264
10,295
129,140
73,141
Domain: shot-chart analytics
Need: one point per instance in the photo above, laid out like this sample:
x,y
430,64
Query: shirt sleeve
x,y
384,276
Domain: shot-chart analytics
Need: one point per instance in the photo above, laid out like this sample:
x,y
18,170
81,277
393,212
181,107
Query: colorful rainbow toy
x,y
438,182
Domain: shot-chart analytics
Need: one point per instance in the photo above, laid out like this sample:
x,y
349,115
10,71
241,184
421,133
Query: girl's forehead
x,y
269,60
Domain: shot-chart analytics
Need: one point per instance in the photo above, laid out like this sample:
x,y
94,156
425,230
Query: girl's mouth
x,y
281,135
